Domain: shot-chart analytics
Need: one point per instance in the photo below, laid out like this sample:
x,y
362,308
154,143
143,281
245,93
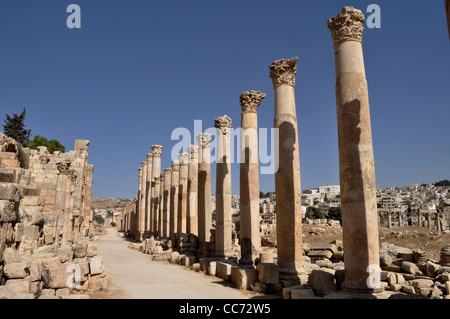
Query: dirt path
x,y
132,275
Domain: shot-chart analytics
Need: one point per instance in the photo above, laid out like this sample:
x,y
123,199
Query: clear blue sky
x,y
138,69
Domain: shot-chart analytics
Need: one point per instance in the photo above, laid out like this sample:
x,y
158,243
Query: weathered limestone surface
x,y
192,189
166,201
287,176
182,192
356,162
223,241
250,240
204,192
173,227
156,171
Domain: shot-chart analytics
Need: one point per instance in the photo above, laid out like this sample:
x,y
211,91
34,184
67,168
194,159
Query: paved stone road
x,y
132,275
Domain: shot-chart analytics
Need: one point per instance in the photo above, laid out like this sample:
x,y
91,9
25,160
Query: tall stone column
x,y
156,171
249,237
192,188
142,200
400,222
175,181
223,188
166,201
429,220
356,163
147,191
156,204
204,192
183,158
438,221
287,176
140,227
161,205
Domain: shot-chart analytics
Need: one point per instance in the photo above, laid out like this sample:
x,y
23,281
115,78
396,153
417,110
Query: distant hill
x,y
103,203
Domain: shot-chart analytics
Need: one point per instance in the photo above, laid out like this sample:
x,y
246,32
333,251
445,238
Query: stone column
x,y
174,183
204,192
438,222
400,219
141,231
192,188
419,217
161,205
156,203
287,176
356,163
223,188
156,171
61,201
147,190
166,201
249,237
183,158
142,200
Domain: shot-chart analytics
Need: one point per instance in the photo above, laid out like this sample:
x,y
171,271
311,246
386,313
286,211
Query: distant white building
x,y
331,190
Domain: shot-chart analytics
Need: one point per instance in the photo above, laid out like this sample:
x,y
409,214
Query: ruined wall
x,y
44,207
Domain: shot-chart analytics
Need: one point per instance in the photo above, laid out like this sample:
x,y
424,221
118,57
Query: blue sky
x,y
137,70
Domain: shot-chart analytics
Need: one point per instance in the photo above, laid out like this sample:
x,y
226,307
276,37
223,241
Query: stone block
x,y
223,270
62,292
57,277
268,273
80,249
36,287
410,268
432,268
7,293
302,293
19,286
421,283
98,282
92,251
243,278
10,255
51,262
48,297
17,270
48,292
65,253
188,261
322,281
331,247
320,254
266,257
30,233
96,265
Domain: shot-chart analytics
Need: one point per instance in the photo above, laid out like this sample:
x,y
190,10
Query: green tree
x,y
14,127
98,219
335,213
444,182
314,213
52,145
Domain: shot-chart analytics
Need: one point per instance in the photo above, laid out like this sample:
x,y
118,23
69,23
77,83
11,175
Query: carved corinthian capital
x,y
283,71
64,167
223,123
175,166
193,152
204,139
347,25
157,150
251,100
183,158
149,157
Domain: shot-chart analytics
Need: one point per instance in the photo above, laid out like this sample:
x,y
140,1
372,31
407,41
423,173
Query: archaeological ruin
x,y
237,252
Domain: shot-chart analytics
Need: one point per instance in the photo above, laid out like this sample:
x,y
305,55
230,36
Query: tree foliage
x,y
444,182
14,127
52,145
314,213
335,213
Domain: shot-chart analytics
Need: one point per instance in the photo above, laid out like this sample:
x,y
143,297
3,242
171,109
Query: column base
x,y
360,291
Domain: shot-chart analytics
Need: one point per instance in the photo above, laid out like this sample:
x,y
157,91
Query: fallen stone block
x,y
98,282
10,255
320,254
268,273
7,293
223,270
65,253
302,293
96,265
421,283
322,281
410,267
48,292
19,286
243,278
58,277
17,270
